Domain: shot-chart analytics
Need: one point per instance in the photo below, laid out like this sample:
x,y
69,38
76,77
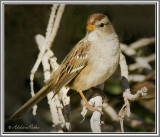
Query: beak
x,y
91,27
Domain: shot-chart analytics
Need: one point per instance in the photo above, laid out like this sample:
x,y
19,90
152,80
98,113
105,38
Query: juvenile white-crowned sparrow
x,y
92,61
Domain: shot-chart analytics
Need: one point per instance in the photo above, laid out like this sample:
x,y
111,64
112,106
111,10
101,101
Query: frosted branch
x,y
57,22
123,66
95,101
125,110
66,103
51,22
95,120
48,62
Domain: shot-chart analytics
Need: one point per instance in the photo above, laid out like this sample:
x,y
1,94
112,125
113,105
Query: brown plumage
x,y
93,60
94,18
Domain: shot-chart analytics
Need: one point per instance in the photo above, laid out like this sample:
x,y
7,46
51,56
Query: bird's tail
x,y
31,102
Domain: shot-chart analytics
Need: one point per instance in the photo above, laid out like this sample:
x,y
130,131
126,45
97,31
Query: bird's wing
x,y
74,62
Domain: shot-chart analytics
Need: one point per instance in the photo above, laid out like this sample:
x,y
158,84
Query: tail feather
x,y
31,102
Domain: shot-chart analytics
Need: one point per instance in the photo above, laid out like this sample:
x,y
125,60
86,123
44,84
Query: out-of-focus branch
x,y
142,42
110,111
140,62
135,66
136,78
132,53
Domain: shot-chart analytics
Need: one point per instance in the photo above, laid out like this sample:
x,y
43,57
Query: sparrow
x,y
92,61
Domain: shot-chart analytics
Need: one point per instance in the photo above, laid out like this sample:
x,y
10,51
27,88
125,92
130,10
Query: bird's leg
x,y
87,104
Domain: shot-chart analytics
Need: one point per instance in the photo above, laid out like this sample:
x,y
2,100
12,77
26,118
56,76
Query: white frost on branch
x,y
140,63
95,120
123,66
46,44
125,110
46,56
126,94
95,101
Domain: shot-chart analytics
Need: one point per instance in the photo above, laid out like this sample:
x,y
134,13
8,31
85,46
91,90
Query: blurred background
x,y
23,22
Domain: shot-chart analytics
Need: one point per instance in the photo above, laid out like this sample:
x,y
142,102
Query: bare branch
x,y
142,42
110,111
126,50
136,78
135,66
141,62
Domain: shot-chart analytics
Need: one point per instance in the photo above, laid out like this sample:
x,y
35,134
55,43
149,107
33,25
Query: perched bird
x,y
92,61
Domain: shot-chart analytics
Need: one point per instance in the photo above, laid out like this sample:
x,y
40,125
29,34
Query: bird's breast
x,y
103,60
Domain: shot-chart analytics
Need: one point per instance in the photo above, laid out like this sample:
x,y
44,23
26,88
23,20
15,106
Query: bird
x,y
91,62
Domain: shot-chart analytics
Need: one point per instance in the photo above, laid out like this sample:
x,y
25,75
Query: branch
x,y
126,94
108,109
96,101
66,103
130,50
135,66
43,49
125,110
136,78
142,42
95,120
48,60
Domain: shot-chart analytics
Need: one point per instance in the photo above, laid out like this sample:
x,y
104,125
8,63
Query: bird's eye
x,y
102,25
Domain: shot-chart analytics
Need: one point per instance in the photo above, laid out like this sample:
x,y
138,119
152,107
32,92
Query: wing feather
x,y
74,62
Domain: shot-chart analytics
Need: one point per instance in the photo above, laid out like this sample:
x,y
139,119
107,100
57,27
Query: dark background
x,y
23,22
